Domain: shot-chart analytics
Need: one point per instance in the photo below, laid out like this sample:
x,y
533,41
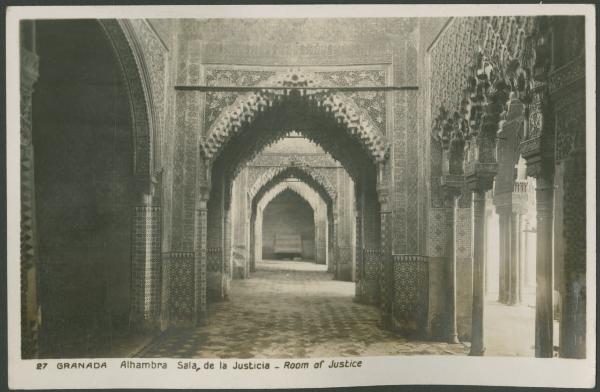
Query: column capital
x,y
383,196
537,148
452,185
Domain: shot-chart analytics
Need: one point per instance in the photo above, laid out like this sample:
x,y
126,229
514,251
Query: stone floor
x,y
290,309
509,330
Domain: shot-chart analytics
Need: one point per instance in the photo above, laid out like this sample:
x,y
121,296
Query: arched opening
x,y
288,228
84,189
256,120
319,210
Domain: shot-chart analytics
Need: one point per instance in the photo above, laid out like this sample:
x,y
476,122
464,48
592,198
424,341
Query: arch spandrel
x,y
246,107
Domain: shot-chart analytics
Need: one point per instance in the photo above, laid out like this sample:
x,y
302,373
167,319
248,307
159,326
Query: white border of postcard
x,y
108,373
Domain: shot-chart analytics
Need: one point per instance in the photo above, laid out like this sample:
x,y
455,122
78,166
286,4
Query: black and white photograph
x,y
301,196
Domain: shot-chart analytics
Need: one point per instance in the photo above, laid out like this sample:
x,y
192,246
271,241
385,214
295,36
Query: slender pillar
x,y
477,335
486,235
543,307
504,254
452,329
522,255
514,276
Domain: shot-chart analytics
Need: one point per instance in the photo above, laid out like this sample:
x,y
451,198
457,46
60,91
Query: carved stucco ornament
x,y
247,106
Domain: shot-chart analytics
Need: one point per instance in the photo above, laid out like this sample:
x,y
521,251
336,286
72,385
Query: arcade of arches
x,y
369,187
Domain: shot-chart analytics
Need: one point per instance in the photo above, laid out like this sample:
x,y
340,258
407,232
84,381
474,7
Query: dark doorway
x,y
288,228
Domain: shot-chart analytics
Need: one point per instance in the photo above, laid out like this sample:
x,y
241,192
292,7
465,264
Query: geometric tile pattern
x,y
297,311
411,281
146,260
181,286
214,259
367,287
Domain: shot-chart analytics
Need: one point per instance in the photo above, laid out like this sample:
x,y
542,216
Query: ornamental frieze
x,y
306,86
373,102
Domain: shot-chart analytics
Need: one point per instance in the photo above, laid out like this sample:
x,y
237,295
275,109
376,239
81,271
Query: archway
x,y
316,202
288,228
93,182
308,176
331,120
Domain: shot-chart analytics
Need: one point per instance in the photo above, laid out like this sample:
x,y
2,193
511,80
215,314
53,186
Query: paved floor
x,y
509,330
290,309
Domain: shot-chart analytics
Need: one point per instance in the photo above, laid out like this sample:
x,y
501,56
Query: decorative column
x,y
200,260
30,310
386,262
488,95
146,260
543,305
451,135
504,217
514,293
477,331
538,151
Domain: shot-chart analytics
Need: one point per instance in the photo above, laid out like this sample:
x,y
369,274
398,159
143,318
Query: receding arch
x,y
308,176
303,190
296,167
320,219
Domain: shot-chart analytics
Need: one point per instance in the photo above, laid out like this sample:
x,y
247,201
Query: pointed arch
x,y
300,169
300,188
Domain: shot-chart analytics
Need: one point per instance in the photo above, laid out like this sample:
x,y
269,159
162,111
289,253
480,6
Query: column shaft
x,y
543,307
452,329
477,335
522,256
514,293
504,256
